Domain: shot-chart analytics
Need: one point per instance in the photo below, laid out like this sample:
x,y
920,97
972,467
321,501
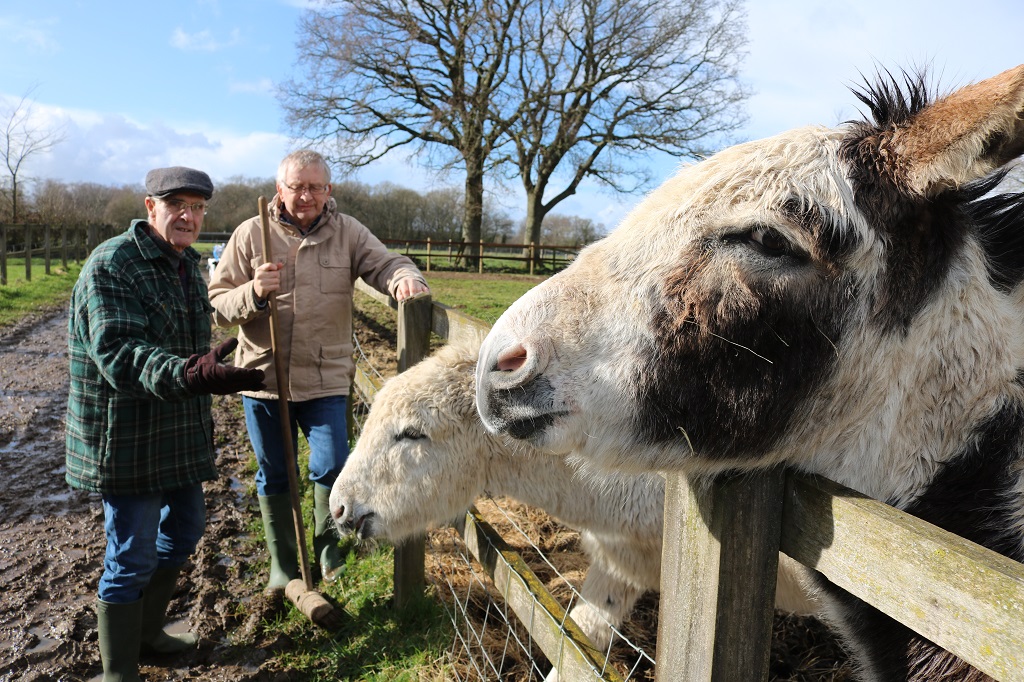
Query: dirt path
x,y
51,537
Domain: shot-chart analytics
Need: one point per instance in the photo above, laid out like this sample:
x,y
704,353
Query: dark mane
x,y
891,103
1000,222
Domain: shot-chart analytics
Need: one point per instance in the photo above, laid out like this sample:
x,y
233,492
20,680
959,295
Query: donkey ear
x,y
964,136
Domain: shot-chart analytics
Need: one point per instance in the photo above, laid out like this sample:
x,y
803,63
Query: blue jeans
x,y
146,532
322,421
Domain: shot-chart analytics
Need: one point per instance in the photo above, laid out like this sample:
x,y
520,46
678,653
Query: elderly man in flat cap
x,y
139,422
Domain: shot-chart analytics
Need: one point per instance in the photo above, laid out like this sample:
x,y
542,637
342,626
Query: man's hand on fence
x,y
208,373
409,288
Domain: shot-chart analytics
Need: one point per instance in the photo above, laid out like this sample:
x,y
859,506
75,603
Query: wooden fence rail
x,y
76,242
553,256
720,560
48,242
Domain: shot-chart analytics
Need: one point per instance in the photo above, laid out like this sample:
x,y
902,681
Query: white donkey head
x,y
802,298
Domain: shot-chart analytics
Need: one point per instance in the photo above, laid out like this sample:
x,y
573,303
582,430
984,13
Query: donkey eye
x,y
410,433
769,241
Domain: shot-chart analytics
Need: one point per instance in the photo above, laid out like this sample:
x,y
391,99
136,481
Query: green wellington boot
x,y
155,599
120,634
279,528
326,549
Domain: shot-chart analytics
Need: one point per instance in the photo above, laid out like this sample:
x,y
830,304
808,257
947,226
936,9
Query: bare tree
x,y
20,139
235,201
54,203
126,203
60,203
440,214
570,230
548,88
426,75
610,80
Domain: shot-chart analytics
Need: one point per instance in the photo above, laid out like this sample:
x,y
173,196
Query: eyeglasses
x,y
179,205
302,189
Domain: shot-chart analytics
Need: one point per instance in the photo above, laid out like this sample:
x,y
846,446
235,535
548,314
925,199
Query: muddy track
x,y
51,537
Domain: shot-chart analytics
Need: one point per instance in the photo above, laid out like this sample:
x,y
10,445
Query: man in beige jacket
x,y
317,254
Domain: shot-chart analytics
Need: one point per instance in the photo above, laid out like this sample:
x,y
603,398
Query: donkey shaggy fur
x,y
846,301
423,457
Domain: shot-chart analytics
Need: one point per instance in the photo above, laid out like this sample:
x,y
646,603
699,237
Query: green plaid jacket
x,y
133,427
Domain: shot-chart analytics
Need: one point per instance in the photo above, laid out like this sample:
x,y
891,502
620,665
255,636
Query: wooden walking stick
x,y
300,590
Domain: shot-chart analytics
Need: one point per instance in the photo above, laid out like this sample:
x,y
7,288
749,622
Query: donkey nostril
x,y
512,359
338,512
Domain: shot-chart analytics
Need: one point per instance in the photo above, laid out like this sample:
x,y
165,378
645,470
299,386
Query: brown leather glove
x,y
208,373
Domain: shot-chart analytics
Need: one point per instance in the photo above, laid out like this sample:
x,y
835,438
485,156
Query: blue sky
x,y
143,84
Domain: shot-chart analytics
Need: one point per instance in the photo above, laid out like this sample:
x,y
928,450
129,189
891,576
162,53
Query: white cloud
x,y
34,36
113,149
203,41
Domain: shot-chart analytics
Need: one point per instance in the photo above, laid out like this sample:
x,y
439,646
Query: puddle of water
x,y
176,627
45,642
241,491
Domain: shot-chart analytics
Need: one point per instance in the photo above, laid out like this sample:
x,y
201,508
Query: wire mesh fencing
x,y
494,631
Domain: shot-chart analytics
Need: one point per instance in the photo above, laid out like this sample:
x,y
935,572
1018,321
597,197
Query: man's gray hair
x,y
302,158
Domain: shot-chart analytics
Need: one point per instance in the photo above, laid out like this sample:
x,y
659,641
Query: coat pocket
x,y
335,275
253,355
336,366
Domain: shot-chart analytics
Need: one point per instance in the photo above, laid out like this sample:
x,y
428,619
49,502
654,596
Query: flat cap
x,y
163,181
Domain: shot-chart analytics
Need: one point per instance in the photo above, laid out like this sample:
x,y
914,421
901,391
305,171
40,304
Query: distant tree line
x,y
390,211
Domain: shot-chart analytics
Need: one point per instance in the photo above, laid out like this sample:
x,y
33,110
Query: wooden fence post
x,y
428,254
719,567
3,254
414,319
480,265
531,258
46,248
64,247
27,231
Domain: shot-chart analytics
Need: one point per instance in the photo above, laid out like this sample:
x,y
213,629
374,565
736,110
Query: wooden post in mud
x,y
414,319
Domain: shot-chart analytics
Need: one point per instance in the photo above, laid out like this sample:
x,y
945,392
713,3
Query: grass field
x,y
484,297
20,297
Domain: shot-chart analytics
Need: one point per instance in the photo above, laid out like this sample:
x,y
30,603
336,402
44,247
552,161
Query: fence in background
x,y
49,243
76,242
456,253
720,559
